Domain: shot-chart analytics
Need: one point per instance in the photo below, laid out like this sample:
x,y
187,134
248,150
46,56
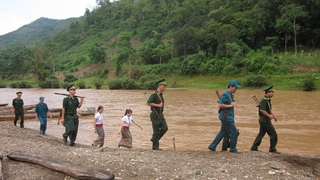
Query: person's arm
x,y
36,110
94,124
151,102
120,127
136,124
81,101
224,102
12,108
62,115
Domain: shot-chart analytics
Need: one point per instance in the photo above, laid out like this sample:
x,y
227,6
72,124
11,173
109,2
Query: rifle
x,y
220,109
256,100
68,95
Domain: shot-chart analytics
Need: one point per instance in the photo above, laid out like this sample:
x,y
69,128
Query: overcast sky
x,y
16,13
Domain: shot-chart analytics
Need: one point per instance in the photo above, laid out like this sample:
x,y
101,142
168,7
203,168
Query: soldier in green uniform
x,y
69,117
17,109
159,124
266,115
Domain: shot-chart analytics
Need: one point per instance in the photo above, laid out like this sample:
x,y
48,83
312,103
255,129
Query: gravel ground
x,y
147,164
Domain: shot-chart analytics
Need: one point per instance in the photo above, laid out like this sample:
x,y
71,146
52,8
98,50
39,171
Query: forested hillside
x,y
182,37
39,30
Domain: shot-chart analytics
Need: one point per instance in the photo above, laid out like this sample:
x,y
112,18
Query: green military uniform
x,y
17,104
71,120
265,124
159,124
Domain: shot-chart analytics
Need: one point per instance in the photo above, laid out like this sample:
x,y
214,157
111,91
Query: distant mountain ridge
x,y
39,30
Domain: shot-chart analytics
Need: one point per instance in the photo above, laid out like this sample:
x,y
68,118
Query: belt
x,y
99,124
71,114
125,127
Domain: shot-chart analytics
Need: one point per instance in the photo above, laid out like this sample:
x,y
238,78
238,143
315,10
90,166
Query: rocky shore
x,y
145,164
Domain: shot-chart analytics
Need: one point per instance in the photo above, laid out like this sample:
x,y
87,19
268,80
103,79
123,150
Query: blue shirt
x,y
227,98
42,110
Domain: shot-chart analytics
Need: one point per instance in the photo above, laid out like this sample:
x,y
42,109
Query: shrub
x,y
308,83
24,84
150,85
13,85
115,84
128,83
255,81
2,85
98,83
49,84
70,78
81,85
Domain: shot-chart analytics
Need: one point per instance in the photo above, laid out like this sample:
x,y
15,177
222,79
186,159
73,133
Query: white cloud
x,y
16,13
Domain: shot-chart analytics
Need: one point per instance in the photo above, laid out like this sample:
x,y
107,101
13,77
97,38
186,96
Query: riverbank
x,y
147,164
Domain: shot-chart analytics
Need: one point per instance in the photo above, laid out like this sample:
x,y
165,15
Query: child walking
x,y
98,127
126,138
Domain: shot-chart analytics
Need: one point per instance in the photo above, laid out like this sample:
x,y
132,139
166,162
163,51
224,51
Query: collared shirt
x,y
42,110
226,98
265,104
157,98
17,104
70,105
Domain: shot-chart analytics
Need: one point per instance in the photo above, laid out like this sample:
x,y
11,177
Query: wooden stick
x,y
67,95
174,144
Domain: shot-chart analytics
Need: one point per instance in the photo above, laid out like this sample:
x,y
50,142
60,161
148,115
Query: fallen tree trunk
x,y
75,170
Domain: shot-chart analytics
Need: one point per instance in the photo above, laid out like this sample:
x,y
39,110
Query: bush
x,y
128,83
2,85
70,78
49,84
150,85
308,83
255,81
24,84
115,84
81,85
98,83
13,85
64,85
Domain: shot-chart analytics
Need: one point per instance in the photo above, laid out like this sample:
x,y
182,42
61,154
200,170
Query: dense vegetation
x,y
234,38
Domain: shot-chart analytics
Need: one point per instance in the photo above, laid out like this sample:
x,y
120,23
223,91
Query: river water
x,y
191,115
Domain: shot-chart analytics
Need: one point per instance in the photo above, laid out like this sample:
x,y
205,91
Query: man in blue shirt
x,y
42,111
226,116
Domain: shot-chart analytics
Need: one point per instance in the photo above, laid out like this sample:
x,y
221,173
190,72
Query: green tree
x,y
97,54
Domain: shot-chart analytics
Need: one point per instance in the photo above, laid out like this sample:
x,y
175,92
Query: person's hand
x,y
95,131
160,105
233,104
12,112
58,122
62,121
118,132
275,119
37,119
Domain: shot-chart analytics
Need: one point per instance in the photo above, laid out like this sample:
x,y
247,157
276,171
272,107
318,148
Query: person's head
x,y
41,99
19,94
100,109
128,112
72,89
233,85
161,85
269,91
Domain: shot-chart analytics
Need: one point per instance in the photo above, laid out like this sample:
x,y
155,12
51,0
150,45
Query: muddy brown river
x,y
191,115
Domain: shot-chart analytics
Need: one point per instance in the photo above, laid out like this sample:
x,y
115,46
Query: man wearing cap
x,y
69,117
159,124
42,111
18,110
265,117
226,116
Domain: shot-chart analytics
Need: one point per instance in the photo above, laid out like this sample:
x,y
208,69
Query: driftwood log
x,y
79,171
1,174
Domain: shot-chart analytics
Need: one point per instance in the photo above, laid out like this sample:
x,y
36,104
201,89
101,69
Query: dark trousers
x,y
43,124
16,117
159,127
266,127
226,142
71,123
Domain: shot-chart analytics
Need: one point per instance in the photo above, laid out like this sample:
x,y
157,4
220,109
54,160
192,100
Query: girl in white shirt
x,y
98,127
126,138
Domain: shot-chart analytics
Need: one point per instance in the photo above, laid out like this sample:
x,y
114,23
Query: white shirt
x,y
99,118
127,120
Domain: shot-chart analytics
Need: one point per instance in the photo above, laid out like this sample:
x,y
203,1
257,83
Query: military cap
x,y
162,81
19,93
70,87
268,89
234,83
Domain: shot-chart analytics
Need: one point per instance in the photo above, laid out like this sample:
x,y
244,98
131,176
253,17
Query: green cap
x,y
268,89
162,81
70,87
19,93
